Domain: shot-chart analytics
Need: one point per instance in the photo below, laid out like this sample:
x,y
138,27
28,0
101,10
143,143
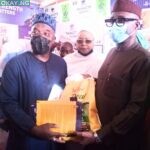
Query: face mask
x,y
141,40
119,34
40,45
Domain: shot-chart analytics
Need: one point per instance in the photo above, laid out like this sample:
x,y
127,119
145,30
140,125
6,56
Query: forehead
x,y
124,14
42,27
85,35
66,45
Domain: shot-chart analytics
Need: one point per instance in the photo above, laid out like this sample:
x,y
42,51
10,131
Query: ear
x,y
139,24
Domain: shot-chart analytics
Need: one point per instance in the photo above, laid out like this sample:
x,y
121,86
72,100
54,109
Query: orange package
x,y
63,114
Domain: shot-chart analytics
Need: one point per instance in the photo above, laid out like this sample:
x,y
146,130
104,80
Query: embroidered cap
x,y
44,18
127,6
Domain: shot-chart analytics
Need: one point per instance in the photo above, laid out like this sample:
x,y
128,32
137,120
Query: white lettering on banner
x,y
15,8
10,10
5,11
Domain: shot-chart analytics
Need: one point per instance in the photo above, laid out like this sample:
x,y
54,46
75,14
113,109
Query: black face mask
x,y
40,45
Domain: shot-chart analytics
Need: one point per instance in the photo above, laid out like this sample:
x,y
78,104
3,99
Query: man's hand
x,y
45,131
86,137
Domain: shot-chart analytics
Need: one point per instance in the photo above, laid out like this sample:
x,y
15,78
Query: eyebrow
x,y
48,30
35,28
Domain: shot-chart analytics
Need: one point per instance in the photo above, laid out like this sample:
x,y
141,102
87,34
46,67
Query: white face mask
x,y
119,34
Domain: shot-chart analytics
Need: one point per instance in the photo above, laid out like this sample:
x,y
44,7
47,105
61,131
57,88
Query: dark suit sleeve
x,y
9,97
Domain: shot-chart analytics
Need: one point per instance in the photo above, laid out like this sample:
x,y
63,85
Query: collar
x,y
86,53
124,48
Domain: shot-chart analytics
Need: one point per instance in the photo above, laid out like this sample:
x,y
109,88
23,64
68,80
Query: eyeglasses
x,y
84,41
119,21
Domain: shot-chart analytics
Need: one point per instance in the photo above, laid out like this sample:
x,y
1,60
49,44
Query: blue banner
x,y
18,15
141,3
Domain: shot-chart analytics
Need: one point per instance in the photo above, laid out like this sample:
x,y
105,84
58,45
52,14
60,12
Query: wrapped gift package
x,y
65,114
84,90
75,110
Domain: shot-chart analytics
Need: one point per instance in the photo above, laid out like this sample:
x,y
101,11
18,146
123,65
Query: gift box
x,y
67,115
75,109
84,91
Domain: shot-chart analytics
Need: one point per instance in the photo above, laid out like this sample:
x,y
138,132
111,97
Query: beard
x,y
40,45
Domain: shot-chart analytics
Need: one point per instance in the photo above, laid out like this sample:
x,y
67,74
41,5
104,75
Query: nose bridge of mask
x,y
125,28
119,34
40,45
44,39
121,28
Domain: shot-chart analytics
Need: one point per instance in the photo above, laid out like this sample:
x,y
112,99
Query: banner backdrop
x,y
75,15
17,15
14,28
141,3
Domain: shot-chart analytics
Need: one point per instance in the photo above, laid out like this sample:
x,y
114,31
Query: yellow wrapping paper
x,y
84,89
63,114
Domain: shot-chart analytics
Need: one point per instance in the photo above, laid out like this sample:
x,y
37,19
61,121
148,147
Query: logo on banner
x,y
14,2
72,32
52,11
65,12
82,6
101,6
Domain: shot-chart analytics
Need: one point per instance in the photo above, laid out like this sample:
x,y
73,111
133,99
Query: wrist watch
x,y
97,138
